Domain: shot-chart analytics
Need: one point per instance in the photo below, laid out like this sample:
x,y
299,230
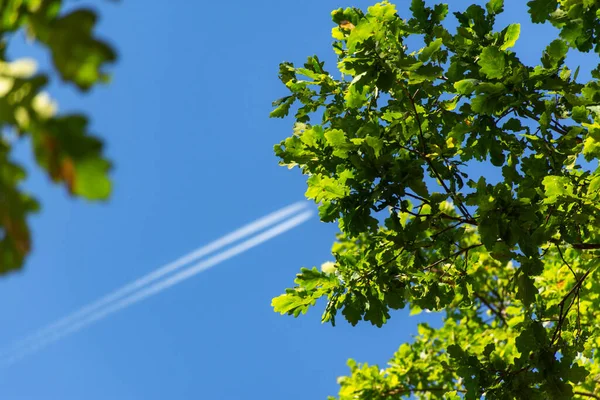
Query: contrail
x,y
173,266
162,285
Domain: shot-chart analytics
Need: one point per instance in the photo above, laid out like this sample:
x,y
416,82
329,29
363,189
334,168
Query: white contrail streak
x,y
162,285
160,272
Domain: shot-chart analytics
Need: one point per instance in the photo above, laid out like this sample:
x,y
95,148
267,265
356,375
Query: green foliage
x,y
509,264
62,144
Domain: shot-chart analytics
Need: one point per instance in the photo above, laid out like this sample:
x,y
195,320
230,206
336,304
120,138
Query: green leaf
x,y
419,11
430,50
578,373
92,180
376,144
292,304
580,114
404,132
492,62
594,186
353,309
456,351
356,97
335,137
283,107
554,54
511,35
309,279
526,289
77,54
62,145
362,32
557,186
591,148
322,187
540,10
383,11
495,6
71,155
466,86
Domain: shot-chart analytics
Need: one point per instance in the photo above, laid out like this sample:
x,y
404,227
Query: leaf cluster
x,y
388,146
62,144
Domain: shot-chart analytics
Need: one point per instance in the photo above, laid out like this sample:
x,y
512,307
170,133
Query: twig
x,y
496,312
586,394
402,390
565,261
562,313
459,204
456,254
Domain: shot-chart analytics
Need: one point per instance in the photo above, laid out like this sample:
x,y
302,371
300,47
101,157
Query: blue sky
x,y
186,123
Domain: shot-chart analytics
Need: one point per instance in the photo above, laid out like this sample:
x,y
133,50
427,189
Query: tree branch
x,y
496,312
456,254
403,390
586,394
459,204
562,313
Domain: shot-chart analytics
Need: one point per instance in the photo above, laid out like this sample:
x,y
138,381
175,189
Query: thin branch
x,y
586,394
414,196
403,390
579,246
441,215
562,313
556,129
585,246
470,221
456,254
496,312
446,229
459,204
564,261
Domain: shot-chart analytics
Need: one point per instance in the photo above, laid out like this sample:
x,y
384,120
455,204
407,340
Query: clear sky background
x,y
186,123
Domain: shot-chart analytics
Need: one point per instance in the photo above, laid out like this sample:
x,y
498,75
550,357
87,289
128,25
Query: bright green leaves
x,y
358,35
430,50
287,72
383,11
356,96
466,86
510,35
62,145
492,62
591,144
375,143
591,148
312,284
557,187
371,26
282,107
554,54
395,160
323,188
495,6
337,140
